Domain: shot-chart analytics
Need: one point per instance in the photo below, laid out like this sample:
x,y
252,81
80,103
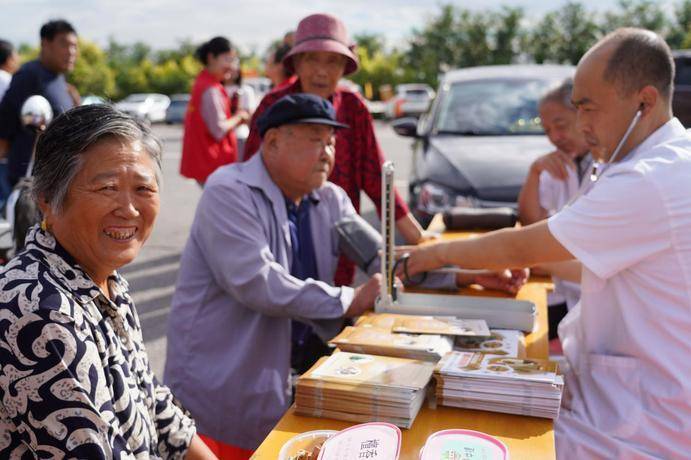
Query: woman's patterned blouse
x,y
75,379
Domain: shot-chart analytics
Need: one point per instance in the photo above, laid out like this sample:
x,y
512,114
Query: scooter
x,y
21,212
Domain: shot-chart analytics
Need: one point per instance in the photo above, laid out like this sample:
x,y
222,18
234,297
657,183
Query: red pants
x,y
225,451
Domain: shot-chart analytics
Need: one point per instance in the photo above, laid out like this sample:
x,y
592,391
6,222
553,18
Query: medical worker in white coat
x,y
628,342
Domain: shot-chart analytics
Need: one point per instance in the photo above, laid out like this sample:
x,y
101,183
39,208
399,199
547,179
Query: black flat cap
x,y
296,109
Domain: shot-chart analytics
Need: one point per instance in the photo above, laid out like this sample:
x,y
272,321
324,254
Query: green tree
x,y
542,42
461,38
646,14
681,26
91,74
372,43
507,35
563,36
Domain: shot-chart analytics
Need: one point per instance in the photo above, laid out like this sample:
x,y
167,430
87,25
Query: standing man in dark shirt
x,y
44,76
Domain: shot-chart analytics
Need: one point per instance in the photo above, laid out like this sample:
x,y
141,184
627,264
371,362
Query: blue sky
x,y
248,23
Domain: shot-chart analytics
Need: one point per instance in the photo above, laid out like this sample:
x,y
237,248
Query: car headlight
x,y
434,199
463,201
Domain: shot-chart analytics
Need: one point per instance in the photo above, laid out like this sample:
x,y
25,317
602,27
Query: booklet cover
x,y
373,370
501,342
381,320
379,341
442,325
480,365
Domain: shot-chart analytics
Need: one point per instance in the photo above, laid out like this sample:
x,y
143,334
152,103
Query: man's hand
x,y
4,147
510,281
244,116
555,163
365,296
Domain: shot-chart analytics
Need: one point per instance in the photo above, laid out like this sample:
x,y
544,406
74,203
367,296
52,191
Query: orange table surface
x,y
525,437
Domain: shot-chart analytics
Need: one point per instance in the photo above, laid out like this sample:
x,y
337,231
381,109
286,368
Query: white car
x,y
411,99
147,106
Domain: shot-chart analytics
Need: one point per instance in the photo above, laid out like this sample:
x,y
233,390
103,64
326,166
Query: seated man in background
x,y
553,180
263,249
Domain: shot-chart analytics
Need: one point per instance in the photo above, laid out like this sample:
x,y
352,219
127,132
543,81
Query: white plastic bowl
x,y
303,440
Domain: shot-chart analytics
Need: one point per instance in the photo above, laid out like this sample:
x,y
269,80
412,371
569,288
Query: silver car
x,y
483,131
412,99
145,106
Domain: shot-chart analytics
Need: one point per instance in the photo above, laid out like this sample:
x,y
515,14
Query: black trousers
x,y
555,313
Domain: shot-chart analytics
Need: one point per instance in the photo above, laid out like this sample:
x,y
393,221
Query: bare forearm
x,y
199,451
569,270
507,248
529,208
232,122
409,228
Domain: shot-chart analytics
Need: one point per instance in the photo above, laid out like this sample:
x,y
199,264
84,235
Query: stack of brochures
x,y
500,342
362,388
499,384
376,341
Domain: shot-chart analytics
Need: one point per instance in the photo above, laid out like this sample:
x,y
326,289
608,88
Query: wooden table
x,y
526,437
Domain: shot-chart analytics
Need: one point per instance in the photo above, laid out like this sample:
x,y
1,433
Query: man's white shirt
x,y
628,342
5,79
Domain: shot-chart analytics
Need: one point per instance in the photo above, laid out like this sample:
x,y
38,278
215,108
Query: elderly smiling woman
x,y
75,379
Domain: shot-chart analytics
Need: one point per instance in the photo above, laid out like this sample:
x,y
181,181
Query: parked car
x,y
93,99
261,86
681,101
177,108
411,99
475,145
147,106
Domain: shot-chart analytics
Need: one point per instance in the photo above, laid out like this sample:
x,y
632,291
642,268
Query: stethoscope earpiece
x,y
599,169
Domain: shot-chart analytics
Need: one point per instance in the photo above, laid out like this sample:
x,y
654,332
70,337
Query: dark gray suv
x,y
475,145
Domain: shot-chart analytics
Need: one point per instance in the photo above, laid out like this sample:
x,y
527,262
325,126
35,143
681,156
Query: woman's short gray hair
x,y
58,156
561,94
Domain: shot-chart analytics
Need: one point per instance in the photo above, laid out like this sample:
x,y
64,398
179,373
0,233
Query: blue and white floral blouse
x,y
75,379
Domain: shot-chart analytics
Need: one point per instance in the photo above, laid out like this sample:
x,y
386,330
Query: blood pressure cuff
x,y
479,218
359,241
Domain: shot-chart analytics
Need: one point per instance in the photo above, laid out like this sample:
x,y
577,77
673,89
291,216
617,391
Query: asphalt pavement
x,y
153,274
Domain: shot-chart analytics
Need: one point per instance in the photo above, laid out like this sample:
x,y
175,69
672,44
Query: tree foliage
x,y
452,37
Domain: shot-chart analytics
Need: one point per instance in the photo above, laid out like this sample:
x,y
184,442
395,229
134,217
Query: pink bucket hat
x,y
323,32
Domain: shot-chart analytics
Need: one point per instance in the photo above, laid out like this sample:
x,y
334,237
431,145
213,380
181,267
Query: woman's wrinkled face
x,y
110,207
319,71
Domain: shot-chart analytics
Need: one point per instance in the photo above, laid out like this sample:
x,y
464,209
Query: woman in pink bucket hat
x,y
322,54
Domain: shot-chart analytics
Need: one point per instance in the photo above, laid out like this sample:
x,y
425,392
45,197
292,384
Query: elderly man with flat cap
x,y
262,250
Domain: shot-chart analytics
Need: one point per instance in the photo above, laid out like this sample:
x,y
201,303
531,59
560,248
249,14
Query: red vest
x,y
201,152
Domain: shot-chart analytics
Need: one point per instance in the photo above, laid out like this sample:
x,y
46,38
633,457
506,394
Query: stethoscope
x,y
599,168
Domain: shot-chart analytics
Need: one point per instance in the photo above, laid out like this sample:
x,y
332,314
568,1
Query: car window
x,y
683,71
491,107
416,94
